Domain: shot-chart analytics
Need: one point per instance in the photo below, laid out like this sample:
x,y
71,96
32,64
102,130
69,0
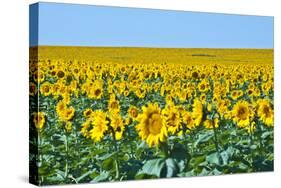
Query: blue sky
x,y
88,25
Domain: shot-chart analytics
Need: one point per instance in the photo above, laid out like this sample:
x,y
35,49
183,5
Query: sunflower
x,y
60,108
257,92
242,113
140,93
188,120
32,89
113,105
46,89
197,112
99,126
126,93
66,98
222,107
39,76
265,111
60,74
195,75
39,120
183,95
117,125
172,116
68,126
96,90
55,89
204,86
266,86
152,125
234,94
68,114
88,113
203,98
64,112
85,129
133,112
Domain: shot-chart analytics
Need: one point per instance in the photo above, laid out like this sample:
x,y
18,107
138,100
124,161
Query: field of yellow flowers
x,y
112,114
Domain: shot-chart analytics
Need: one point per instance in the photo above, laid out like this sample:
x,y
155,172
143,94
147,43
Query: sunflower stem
x,y
66,151
116,155
131,145
185,138
39,156
164,148
250,144
217,145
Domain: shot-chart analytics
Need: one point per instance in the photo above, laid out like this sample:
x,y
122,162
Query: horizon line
x,y
86,46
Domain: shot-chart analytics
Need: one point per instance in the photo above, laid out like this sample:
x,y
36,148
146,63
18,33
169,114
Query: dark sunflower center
x,y
46,89
114,105
242,113
266,110
202,86
60,74
97,92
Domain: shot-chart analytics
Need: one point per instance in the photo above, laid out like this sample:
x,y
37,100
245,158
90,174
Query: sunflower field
x,y
113,114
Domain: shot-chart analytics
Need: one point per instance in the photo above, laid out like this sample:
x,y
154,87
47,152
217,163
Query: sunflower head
x,y
133,112
152,125
117,124
32,89
203,86
197,112
172,117
64,113
68,126
100,126
242,113
39,76
61,106
113,106
68,114
39,120
86,128
46,89
96,90
88,113
265,112
188,120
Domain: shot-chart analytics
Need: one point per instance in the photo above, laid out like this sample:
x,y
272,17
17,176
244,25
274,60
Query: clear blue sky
x,y
87,25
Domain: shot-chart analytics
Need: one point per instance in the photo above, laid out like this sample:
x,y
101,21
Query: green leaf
x,y
225,155
108,164
106,156
102,177
85,175
152,167
266,134
213,158
171,167
203,138
179,152
204,172
196,160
